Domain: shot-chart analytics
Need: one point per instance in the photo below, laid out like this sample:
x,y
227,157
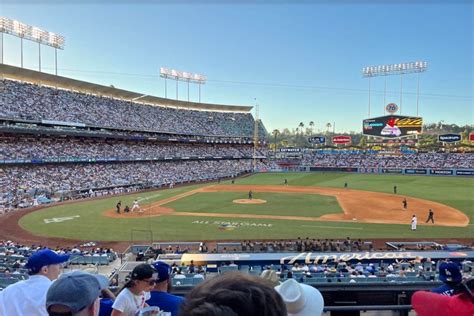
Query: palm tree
x,y
301,125
328,126
311,126
275,134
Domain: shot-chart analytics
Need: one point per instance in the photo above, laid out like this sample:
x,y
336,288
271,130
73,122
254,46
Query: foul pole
x,y
255,137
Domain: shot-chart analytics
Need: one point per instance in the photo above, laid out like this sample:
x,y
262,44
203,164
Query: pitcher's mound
x,y
247,201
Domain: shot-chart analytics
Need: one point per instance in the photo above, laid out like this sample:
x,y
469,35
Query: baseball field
x,y
314,205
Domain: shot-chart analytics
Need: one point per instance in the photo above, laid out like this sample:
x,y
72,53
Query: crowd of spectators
x,y
33,102
419,160
153,283
12,148
18,182
13,255
306,245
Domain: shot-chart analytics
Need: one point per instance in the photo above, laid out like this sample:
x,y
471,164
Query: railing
x,y
402,309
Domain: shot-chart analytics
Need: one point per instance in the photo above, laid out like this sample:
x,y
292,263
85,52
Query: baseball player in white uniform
x,y
135,206
413,222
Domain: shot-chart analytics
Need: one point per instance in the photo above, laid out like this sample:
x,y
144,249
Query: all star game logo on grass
x,y
232,224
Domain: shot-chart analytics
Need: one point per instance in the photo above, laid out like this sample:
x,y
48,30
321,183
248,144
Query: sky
x,y
301,61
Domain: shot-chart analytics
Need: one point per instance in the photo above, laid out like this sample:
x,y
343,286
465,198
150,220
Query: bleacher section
x,y
30,102
63,139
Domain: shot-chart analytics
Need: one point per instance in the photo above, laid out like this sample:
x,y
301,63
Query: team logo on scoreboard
x,y
391,108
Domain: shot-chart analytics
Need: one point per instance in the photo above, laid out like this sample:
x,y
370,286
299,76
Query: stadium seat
x,y
225,269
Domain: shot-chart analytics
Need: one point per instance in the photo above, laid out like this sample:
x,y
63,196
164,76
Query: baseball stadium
x,y
110,180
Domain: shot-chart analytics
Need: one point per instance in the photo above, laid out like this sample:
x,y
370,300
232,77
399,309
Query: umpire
x,y
430,216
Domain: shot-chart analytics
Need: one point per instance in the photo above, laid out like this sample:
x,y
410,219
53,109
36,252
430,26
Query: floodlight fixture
x,y
31,33
177,75
395,69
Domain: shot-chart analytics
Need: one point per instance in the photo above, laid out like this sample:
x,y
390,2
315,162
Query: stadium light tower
x,y
396,69
34,34
182,76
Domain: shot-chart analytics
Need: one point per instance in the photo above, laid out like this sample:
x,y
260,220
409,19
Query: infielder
x,y
413,222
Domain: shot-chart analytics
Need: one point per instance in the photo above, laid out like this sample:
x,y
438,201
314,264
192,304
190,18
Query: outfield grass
x,y
91,225
311,205
457,192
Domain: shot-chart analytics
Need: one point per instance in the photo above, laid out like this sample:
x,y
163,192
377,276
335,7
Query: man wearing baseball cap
x,y
461,303
75,294
159,295
450,275
28,297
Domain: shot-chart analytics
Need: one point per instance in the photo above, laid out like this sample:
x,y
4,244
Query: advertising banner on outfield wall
x,y
442,172
392,126
392,170
449,138
416,171
369,170
336,169
465,172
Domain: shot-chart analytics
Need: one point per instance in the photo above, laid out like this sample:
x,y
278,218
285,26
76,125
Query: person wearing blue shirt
x,y
160,296
450,275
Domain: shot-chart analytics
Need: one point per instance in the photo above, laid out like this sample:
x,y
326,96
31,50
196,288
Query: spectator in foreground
x,y
75,294
132,299
434,304
301,299
271,276
450,275
233,294
159,295
28,297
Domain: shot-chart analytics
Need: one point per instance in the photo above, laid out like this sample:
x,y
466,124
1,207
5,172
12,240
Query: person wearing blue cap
x,y
76,293
159,295
28,297
450,275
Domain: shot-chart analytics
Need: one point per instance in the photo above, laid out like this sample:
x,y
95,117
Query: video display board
x,y
392,126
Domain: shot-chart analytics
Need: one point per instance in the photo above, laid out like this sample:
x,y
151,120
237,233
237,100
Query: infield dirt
x,y
357,205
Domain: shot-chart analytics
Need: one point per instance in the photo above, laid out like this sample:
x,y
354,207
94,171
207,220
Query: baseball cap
x,y
143,271
163,270
76,290
434,304
300,299
43,258
102,279
450,272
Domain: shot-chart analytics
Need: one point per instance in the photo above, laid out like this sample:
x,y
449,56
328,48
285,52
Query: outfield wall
x,y
409,171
